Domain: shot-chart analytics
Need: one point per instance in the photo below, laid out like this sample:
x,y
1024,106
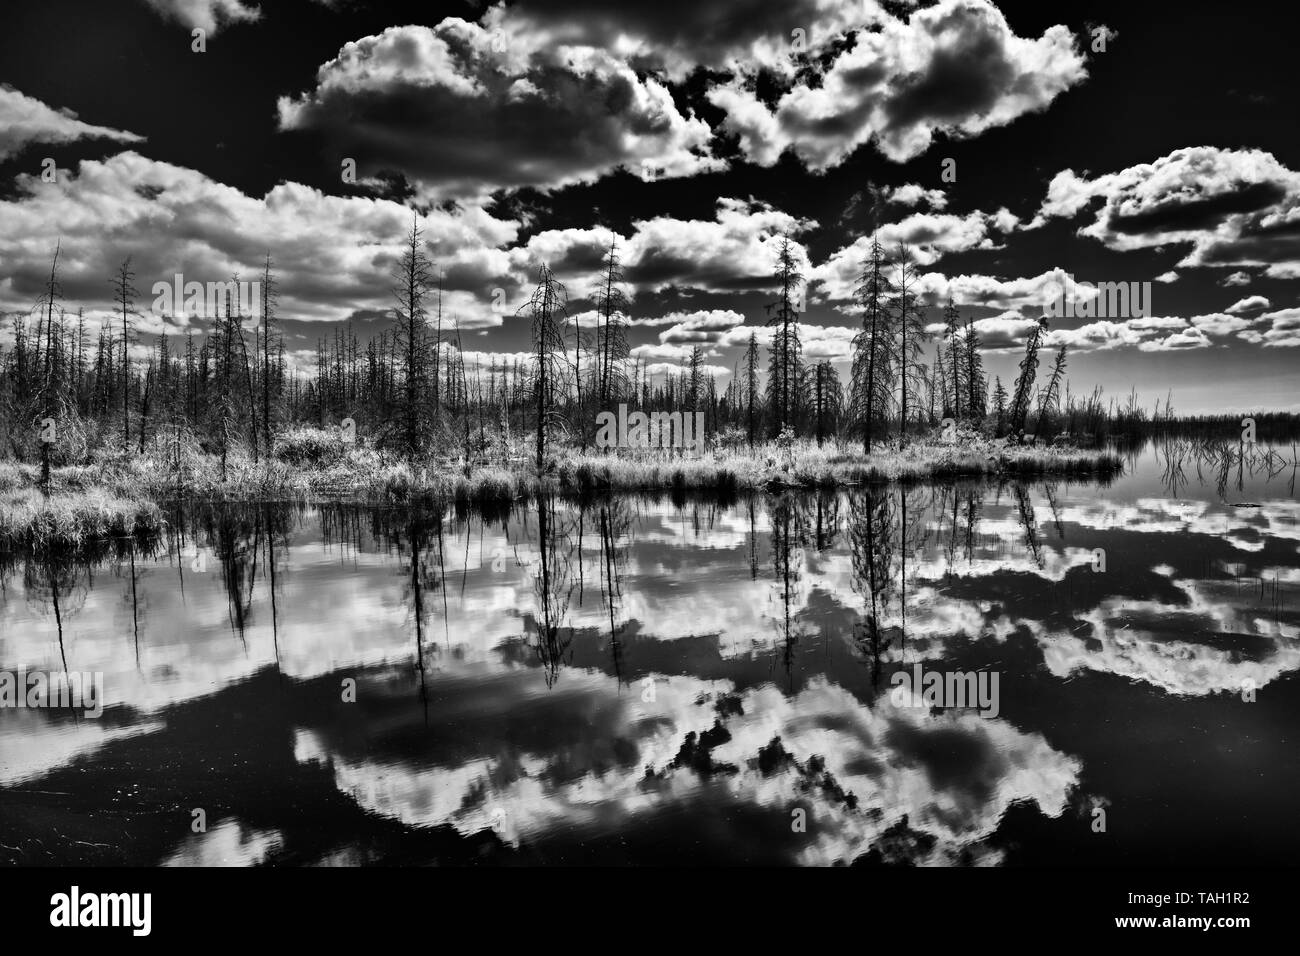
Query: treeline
x,y
413,390
62,391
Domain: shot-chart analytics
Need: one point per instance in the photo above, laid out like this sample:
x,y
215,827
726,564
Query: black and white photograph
x,y
558,435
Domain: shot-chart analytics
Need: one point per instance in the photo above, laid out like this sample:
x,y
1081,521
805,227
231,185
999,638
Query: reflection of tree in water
x,y
243,540
236,539
790,534
974,501
417,535
753,544
615,523
959,507
871,532
553,586
913,532
56,585
826,523
1025,512
57,582
340,526
1049,492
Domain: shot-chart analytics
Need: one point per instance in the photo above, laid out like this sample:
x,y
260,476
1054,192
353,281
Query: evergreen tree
x,y
785,354
953,397
1049,401
751,386
412,282
1023,392
909,326
873,354
976,382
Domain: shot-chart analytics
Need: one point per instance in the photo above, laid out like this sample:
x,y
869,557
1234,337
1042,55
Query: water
x,y
650,681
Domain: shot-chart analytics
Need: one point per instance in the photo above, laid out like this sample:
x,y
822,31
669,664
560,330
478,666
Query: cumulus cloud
x,y
736,251
25,120
832,343
170,220
723,35
1178,341
1231,207
1220,323
929,236
1008,330
1146,334
912,194
208,15
955,69
1253,303
463,109
704,327
1283,330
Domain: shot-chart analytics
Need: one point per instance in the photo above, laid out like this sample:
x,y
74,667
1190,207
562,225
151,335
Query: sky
x,y
1021,150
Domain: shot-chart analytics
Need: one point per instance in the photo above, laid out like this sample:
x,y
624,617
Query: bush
x,y
310,446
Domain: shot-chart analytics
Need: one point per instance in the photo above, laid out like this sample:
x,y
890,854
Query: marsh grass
x,y
70,520
114,495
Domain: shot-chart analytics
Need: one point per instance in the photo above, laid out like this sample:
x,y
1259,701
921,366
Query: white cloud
x,y
912,194
208,15
955,68
25,120
1284,331
1220,323
1253,303
170,219
1231,207
463,110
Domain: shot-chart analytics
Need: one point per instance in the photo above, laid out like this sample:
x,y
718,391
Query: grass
x,y
115,495
805,465
71,520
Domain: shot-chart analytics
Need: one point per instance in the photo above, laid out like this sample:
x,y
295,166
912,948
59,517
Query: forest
x,y
225,414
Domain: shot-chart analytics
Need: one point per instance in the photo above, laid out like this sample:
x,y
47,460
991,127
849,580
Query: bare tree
x,y
548,306
612,350
124,294
909,324
270,297
412,280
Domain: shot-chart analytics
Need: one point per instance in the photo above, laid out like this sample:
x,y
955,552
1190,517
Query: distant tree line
x,y
412,388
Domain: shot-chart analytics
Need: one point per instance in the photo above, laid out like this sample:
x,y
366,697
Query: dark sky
x,y
533,131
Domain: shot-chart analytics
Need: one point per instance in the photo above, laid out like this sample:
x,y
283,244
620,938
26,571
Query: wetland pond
x,y
659,681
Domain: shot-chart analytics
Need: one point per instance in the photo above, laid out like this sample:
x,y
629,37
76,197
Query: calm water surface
x,y
658,681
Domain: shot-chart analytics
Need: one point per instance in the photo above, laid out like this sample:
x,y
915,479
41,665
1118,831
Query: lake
x,y
651,681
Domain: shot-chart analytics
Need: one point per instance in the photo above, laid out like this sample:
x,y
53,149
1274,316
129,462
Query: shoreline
x,y
124,496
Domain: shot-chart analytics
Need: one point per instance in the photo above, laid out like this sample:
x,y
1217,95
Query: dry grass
x,y
112,495
70,520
